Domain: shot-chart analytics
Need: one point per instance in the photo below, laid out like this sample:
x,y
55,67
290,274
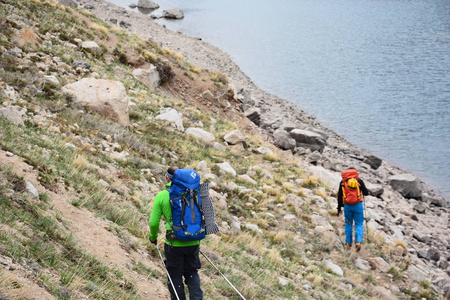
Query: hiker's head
x,y
170,173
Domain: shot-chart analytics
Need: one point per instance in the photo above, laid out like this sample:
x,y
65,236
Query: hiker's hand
x,y
153,241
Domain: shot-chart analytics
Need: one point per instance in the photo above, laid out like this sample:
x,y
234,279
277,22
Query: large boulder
x,y
407,185
328,177
173,116
148,4
283,140
173,13
308,139
14,114
107,98
234,137
253,115
150,77
91,46
201,134
373,161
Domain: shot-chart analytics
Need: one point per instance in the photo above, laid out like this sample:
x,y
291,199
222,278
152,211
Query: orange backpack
x,y
351,193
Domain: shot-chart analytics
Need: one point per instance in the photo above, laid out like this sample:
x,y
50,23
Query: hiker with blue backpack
x,y
350,196
180,204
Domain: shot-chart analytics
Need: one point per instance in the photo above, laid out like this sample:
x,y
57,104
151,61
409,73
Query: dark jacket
x,y
362,187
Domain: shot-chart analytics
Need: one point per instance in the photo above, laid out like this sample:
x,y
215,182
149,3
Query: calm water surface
x,y
375,71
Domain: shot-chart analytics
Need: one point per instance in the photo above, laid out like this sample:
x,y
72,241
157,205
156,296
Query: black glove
x,y
153,242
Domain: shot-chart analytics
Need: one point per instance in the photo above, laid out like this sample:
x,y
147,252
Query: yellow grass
x,y
98,27
195,70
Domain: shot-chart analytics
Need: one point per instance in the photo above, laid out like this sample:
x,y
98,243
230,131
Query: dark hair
x,y
172,170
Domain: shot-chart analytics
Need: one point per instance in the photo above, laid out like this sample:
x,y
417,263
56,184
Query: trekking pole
x,y
222,275
365,221
167,271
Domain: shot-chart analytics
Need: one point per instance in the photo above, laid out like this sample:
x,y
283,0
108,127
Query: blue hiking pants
x,y
354,214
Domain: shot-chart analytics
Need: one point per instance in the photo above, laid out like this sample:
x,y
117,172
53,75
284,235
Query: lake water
x,y
377,72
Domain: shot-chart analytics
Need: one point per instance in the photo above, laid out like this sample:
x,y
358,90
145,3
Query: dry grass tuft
x,y
100,28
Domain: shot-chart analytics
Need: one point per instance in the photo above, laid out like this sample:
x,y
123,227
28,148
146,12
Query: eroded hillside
x,y
76,184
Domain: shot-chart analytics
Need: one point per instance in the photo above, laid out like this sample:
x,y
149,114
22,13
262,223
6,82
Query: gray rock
x,y
333,268
13,114
227,168
283,140
379,263
173,116
32,190
434,254
375,190
253,115
421,209
308,139
201,134
91,46
70,3
173,13
148,4
234,137
407,185
362,264
150,77
78,63
108,98
417,273
50,79
423,254
373,161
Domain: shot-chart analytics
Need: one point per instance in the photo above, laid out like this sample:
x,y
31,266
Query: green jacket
x,y
161,207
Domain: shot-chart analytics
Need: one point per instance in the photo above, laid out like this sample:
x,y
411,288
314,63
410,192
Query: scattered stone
x,y
173,116
200,134
150,77
283,140
434,254
77,63
333,268
308,139
407,185
227,168
173,13
234,137
148,4
108,98
13,114
91,46
32,190
362,264
379,264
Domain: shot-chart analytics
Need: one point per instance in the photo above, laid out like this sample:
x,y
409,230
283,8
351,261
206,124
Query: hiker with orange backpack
x,y
350,196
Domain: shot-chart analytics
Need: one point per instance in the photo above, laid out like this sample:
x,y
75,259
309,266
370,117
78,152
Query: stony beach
x,y
275,113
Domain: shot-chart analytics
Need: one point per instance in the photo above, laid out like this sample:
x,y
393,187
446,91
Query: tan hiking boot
x,y
349,246
358,247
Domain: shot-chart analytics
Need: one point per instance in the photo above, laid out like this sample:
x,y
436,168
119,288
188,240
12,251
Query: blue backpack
x,y
187,215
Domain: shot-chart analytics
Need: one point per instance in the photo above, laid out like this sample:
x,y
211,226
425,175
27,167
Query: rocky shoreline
x,y
274,116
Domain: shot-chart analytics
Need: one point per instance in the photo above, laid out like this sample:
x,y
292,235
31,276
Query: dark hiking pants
x,y
184,262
